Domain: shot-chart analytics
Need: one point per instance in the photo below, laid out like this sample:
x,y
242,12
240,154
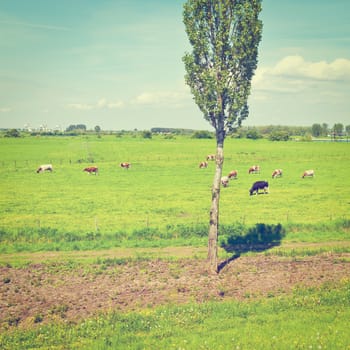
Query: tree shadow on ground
x,y
259,238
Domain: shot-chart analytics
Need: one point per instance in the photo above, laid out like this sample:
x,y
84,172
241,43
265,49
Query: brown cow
x,y
308,173
233,174
91,170
277,173
125,165
203,165
254,169
211,157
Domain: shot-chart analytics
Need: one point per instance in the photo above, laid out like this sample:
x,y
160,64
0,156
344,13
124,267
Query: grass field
x,y
165,187
72,242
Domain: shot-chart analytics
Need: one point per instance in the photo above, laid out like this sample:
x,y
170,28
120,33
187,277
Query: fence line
x,y
35,163
96,225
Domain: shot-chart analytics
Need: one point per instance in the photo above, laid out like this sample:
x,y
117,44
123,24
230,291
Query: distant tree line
x,y
283,133
338,129
271,132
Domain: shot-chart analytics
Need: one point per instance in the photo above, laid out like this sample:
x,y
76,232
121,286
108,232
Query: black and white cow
x,y
44,167
259,185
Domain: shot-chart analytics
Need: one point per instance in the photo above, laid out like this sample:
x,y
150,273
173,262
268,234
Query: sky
x,y
118,64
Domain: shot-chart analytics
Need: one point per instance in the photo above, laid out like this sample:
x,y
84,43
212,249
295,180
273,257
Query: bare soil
x,y
44,292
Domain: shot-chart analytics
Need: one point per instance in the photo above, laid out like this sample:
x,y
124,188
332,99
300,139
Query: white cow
x,y
308,173
225,180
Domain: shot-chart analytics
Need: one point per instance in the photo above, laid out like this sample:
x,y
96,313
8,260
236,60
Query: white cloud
x,y
5,109
102,103
293,74
34,25
80,107
118,104
175,99
296,66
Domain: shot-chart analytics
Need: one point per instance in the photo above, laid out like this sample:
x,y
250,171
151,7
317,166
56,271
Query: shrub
x,y
202,134
12,133
306,138
279,136
253,134
147,134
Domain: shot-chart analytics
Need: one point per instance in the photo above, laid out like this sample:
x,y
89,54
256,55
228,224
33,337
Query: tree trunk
x,y
214,211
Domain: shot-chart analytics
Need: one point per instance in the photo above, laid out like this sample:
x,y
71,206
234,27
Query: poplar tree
x,y
224,35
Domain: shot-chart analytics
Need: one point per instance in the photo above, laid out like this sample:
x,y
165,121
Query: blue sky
x,y
118,64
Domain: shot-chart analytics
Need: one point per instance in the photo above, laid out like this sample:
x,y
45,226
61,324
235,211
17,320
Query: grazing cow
x,y
277,173
125,165
203,165
211,157
225,180
44,167
254,169
308,173
91,170
233,174
259,185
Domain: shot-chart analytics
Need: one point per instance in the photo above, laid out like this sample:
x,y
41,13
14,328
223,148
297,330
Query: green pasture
x,y
164,193
307,319
163,201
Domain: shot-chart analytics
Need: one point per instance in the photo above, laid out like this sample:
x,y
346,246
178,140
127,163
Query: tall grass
x,y
238,234
308,319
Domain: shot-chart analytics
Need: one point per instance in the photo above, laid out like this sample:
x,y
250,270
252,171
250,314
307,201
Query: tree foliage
x,y
316,130
338,129
78,127
224,35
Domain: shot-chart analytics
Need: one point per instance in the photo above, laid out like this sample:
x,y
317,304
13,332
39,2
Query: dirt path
x,y
54,290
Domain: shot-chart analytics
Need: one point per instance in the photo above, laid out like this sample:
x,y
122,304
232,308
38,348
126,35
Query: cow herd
x,y
233,174
254,169
89,170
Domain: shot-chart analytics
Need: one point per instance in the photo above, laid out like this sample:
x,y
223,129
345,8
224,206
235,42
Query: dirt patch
x,y
40,293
